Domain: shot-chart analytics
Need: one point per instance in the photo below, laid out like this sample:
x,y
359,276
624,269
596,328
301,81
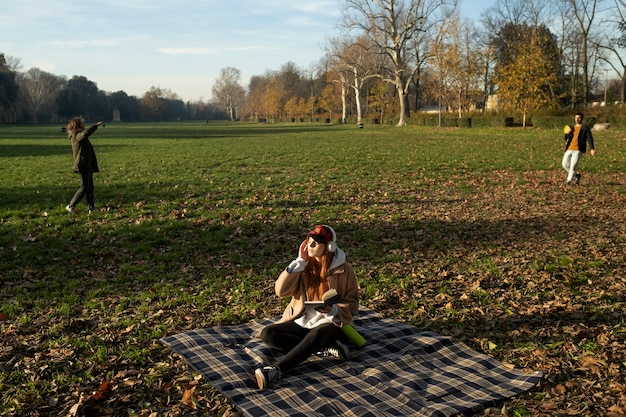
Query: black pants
x,y
298,343
86,189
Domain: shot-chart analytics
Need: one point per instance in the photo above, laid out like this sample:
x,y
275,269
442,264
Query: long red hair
x,y
318,273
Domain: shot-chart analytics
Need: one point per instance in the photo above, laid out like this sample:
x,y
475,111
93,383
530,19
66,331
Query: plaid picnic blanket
x,y
401,371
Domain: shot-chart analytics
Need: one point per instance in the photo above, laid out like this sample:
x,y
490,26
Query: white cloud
x,y
330,8
300,21
188,51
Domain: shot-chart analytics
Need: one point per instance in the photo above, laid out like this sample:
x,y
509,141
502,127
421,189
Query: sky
x,y
176,45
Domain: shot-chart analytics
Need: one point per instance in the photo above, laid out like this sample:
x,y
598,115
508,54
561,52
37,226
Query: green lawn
x,y
467,232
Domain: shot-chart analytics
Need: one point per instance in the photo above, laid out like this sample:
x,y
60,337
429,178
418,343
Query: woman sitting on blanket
x,y
301,332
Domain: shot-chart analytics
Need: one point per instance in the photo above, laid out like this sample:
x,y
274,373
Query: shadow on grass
x,y
20,150
171,241
30,149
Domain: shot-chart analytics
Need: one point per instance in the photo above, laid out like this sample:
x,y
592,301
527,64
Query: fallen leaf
x,y
104,391
188,397
76,407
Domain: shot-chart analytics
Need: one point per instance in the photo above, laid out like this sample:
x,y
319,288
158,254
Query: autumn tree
x,y
457,66
328,99
154,105
393,26
339,79
254,99
291,107
228,92
504,13
303,106
311,104
272,98
527,69
380,99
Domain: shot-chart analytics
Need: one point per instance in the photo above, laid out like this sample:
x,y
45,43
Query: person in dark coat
x,y
85,161
576,139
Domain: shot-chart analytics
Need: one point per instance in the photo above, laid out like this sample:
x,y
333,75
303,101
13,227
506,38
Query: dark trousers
x,y
86,189
298,343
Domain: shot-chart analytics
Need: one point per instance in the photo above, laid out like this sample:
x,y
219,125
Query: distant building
x,y
493,103
429,109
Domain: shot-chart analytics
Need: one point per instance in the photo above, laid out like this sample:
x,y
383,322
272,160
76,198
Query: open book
x,y
329,298
313,305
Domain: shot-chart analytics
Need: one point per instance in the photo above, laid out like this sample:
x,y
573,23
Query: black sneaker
x,y
337,350
577,179
266,375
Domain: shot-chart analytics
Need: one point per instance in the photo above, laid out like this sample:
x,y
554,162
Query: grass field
x,y
466,232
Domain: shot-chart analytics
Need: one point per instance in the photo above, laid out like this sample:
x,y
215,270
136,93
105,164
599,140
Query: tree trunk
x,y
344,107
357,97
623,92
403,98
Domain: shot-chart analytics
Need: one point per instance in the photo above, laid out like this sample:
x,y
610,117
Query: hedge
x,y
492,122
445,121
557,122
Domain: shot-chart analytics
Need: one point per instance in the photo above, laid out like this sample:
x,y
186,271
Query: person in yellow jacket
x,y
301,332
576,139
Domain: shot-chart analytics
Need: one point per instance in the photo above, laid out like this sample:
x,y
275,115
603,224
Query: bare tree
x,y
393,26
517,12
228,92
356,64
13,63
615,44
583,15
38,89
254,99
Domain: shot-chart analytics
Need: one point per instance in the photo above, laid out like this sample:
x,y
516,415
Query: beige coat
x,y
341,278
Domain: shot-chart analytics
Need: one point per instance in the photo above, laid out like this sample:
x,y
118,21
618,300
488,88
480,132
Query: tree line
x,y
395,57
37,96
391,58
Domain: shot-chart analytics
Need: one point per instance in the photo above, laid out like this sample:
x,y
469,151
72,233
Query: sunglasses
x,y
313,243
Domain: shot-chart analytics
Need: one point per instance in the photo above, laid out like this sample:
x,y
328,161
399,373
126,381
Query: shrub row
x,y
557,122
541,122
464,121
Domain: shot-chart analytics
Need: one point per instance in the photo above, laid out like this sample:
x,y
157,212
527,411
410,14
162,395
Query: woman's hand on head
x,y
304,252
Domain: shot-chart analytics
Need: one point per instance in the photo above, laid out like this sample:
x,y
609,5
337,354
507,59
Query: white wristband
x,y
297,265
